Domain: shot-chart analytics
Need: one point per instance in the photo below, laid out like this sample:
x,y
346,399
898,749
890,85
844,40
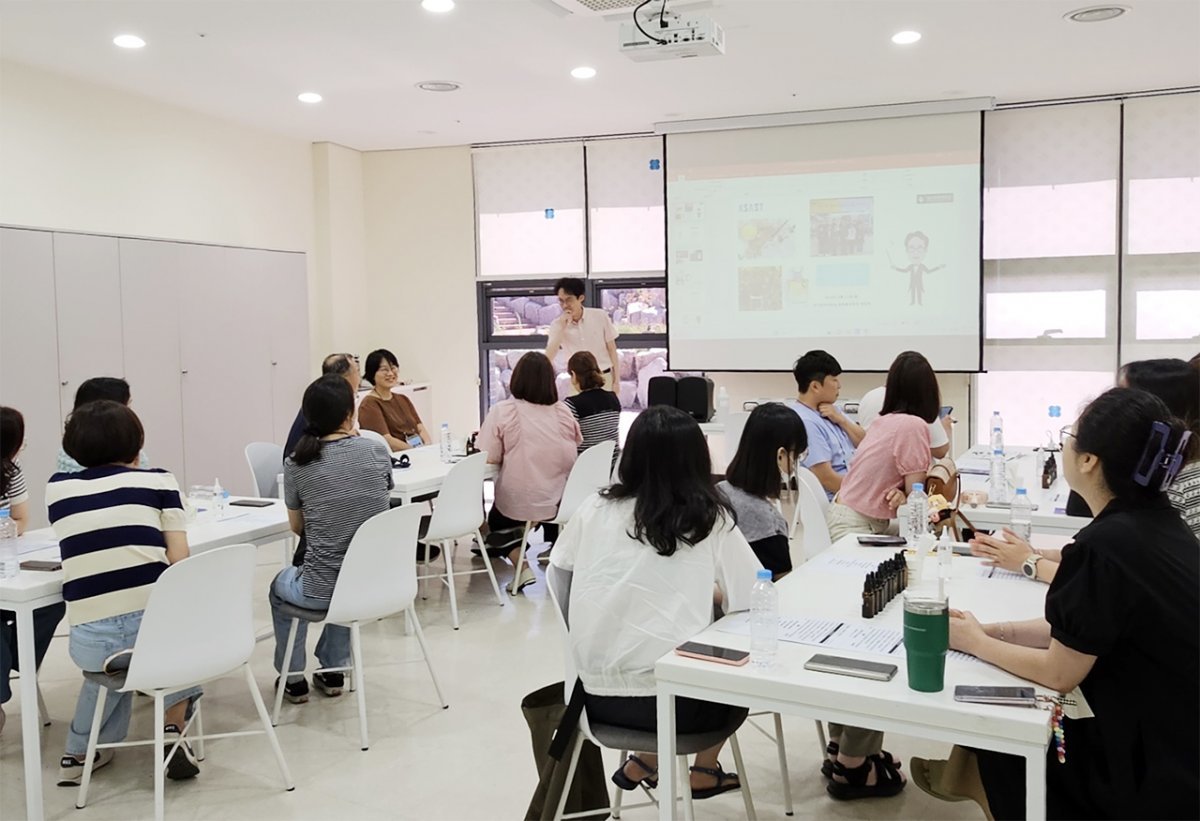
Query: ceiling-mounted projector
x,y
691,36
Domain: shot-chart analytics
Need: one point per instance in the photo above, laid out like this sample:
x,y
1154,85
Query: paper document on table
x,y
807,631
32,544
847,565
1000,573
867,639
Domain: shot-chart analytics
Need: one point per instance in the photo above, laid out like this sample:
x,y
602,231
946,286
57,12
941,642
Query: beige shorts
x,y
845,520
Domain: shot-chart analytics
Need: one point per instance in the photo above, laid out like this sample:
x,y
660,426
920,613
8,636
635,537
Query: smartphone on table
x,y
711,652
882,541
874,670
1009,696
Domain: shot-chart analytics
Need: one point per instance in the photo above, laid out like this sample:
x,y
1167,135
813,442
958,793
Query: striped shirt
x,y
347,484
16,492
598,412
1184,494
109,521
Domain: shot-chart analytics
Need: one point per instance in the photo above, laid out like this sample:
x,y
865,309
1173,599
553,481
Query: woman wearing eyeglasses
x,y
391,415
1122,623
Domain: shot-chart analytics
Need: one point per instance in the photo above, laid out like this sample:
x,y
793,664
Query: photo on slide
x,y
766,239
760,288
841,227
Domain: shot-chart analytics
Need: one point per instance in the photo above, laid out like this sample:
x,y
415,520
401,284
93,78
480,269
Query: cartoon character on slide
x,y
916,245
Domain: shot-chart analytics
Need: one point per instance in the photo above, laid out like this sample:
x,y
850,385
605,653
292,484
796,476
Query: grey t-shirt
x,y
347,484
757,518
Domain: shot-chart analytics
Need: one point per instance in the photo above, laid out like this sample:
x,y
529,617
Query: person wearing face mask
x,y
583,329
773,442
391,415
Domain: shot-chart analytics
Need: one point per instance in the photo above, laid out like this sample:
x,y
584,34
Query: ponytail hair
x,y
326,405
584,368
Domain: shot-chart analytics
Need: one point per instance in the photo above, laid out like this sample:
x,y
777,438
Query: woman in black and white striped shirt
x,y
597,409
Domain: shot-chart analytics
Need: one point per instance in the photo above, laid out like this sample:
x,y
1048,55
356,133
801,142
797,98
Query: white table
x,y
425,474
817,590
30,590
1050,516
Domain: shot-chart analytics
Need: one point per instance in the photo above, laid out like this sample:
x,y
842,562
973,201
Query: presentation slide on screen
x,y
860,238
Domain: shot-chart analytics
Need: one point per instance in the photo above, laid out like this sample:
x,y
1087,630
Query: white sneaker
x,y
527,578
70,768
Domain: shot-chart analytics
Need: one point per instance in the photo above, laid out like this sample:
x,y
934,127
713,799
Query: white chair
x,y
378,579
808,519
735,424
590,473
457,515
375,437
809,478
185,640
622,739
266,463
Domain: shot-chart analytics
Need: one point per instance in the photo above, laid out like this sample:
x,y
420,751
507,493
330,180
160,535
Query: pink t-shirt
x,y
896,444
535,446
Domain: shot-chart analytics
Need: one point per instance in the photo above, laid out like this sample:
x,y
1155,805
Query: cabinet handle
x,y
63,383
274,362
184,370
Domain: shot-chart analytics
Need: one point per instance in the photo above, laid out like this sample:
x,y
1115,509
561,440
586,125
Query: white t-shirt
x,y
872,402
630,606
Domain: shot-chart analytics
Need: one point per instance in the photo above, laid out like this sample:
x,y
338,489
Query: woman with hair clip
x,y
595,408
644,557
1122,623
333,482
773,442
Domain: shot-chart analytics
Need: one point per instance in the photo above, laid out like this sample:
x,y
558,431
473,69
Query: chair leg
x,y
160,764
783,765
618,793
261,709
90,755
487,563
412,614
576,747
283,675
741,771
198,721
447,550
360,689
821,739
685,790
42,711
520,562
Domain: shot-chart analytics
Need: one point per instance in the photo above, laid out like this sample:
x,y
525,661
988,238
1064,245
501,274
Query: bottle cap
x,y
997,452
1020,491
918,487
4,513
764,574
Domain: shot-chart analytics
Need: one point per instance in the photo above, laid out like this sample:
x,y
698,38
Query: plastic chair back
x,y
810,519
374,437
735,424
807,477
199,621
379,573
590,473
459,509
266,463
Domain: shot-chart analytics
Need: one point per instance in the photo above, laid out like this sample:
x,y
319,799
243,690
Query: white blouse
x,y
630,606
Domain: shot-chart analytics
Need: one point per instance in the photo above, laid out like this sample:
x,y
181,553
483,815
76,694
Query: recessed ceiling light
x,y
439,85
309,97
906,38
438,6
583,73
1095,14
128,41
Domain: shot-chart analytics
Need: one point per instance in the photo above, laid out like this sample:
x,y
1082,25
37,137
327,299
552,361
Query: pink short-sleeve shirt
x,y
535,446
896,445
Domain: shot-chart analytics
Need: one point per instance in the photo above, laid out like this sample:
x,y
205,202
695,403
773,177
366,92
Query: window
x,y
625,205
636,310
1024,399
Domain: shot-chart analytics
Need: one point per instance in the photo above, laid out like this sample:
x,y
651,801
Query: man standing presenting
x,y
583,329
832,437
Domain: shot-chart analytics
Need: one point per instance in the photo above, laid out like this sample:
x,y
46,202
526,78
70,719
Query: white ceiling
x,y
513,59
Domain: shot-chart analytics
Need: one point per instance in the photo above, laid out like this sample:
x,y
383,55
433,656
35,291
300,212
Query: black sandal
x,y
887,780
623,781
831,749
726,782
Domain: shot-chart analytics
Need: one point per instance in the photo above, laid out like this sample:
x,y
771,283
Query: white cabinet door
x,y
151,305
225,362
286,280
87,285
29,354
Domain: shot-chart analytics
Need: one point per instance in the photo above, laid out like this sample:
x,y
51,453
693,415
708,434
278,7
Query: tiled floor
x,y
472,761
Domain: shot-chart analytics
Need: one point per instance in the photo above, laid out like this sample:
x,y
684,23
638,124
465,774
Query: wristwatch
x,y
1029,566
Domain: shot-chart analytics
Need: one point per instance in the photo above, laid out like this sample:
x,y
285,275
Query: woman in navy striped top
x,y
595,408
118,528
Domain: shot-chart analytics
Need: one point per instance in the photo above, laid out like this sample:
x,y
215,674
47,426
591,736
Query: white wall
x,y
81,157
340,249
420,219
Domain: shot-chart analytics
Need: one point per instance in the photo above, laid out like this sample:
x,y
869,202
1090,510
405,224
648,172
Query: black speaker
x,y
694,396
661,391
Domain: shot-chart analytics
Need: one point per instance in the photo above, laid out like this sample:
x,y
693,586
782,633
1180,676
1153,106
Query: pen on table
x,y
830,633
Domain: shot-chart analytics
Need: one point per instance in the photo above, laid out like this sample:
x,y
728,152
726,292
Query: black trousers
x,y
641,713
498,521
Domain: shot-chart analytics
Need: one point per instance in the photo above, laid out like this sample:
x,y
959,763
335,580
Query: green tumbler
x,y
926,640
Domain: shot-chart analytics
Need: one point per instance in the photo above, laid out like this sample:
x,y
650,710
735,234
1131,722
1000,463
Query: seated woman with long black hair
x,y
773,443
645,554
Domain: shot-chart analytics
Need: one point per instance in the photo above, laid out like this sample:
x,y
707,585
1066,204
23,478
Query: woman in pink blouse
x,y
533,438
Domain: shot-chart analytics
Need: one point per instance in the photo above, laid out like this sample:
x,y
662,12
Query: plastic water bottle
x,y
918,514
945,552
997,478
764,621
220,499
722,405
1021,515
279,485
10,562
445,443
997,432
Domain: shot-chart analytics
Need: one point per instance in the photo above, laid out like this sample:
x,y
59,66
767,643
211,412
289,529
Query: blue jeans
x,y
333,648
90,645
45,621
